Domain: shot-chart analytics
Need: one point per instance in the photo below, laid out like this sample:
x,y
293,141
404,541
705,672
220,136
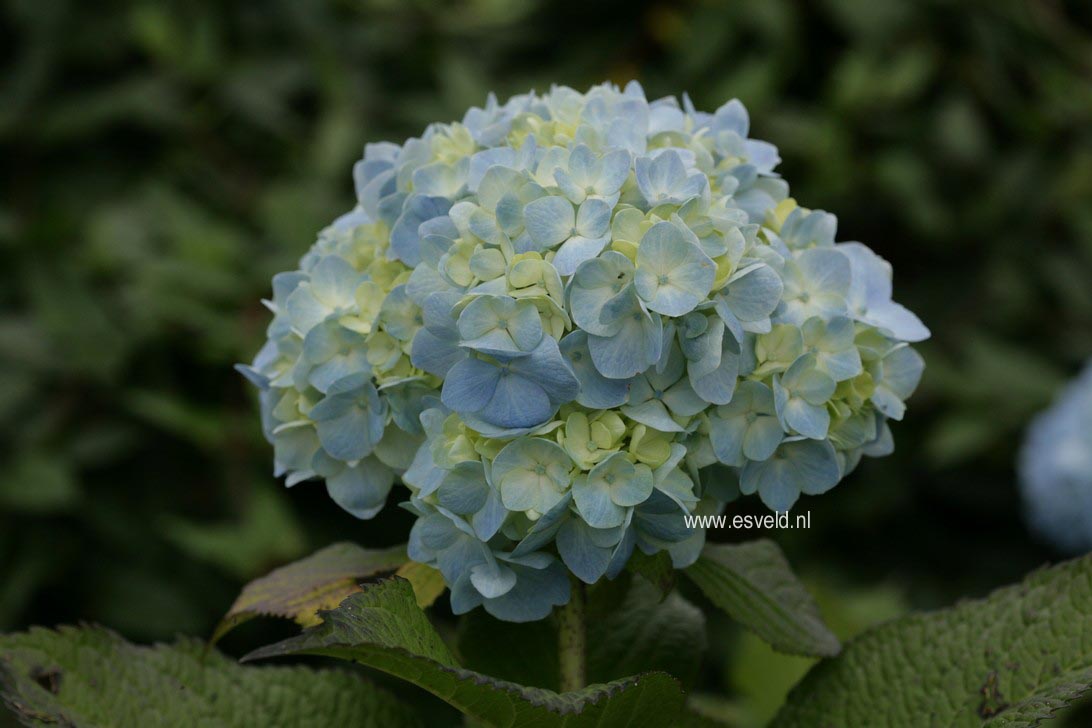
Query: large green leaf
x,y
300,589
632,628
383,627
1011,659
90,676
753,583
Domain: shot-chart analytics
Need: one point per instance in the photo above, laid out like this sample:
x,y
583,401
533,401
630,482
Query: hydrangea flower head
x,y
567,323
1056,468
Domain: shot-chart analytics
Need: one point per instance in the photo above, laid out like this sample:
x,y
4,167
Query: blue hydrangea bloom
x,y
565,324
1056,469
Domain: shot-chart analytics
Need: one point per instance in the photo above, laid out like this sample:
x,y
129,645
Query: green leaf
x,y
89,676
761,677
1011,659
428,583
382,627
657,569
632,628
300,589
753,583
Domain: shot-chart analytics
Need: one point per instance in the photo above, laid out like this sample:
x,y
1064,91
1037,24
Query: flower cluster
x,y
1056,468
567,323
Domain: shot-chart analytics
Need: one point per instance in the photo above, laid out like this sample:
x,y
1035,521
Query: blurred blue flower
x,y
1055,466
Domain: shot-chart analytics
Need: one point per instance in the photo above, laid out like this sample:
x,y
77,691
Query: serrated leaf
x,y
382,627
299,590
1012,659
89,676
428,583
753,584
631,627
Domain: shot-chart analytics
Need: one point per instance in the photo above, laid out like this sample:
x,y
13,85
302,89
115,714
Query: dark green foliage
x,y
382,627
1012,659
89,676
754,585
161,160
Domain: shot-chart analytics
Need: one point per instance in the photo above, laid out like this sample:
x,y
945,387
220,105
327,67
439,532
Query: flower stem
x,y
572,635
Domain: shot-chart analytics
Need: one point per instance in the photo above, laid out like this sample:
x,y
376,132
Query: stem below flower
x,y
571,636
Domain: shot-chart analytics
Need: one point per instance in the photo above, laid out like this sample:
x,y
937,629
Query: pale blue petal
x,y
577,548
549,220
576,250
815,463
902,371
404,236
673,274
548,369
544,529
754,296
535,595
704,351
352,430
489,519
902,323
582,164
334,281
634,348
304,310
842,365
683,401
804,466
464,489
762,438
718,385
809,420
500,158
423,474
361,490
825,269
470,385
634,489
762,155
593,219
594,503
654,414
593,285
596,391
727,437
492,580
516,402
434,355
614,171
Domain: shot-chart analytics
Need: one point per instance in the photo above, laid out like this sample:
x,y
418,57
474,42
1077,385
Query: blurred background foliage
x,y
162,159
